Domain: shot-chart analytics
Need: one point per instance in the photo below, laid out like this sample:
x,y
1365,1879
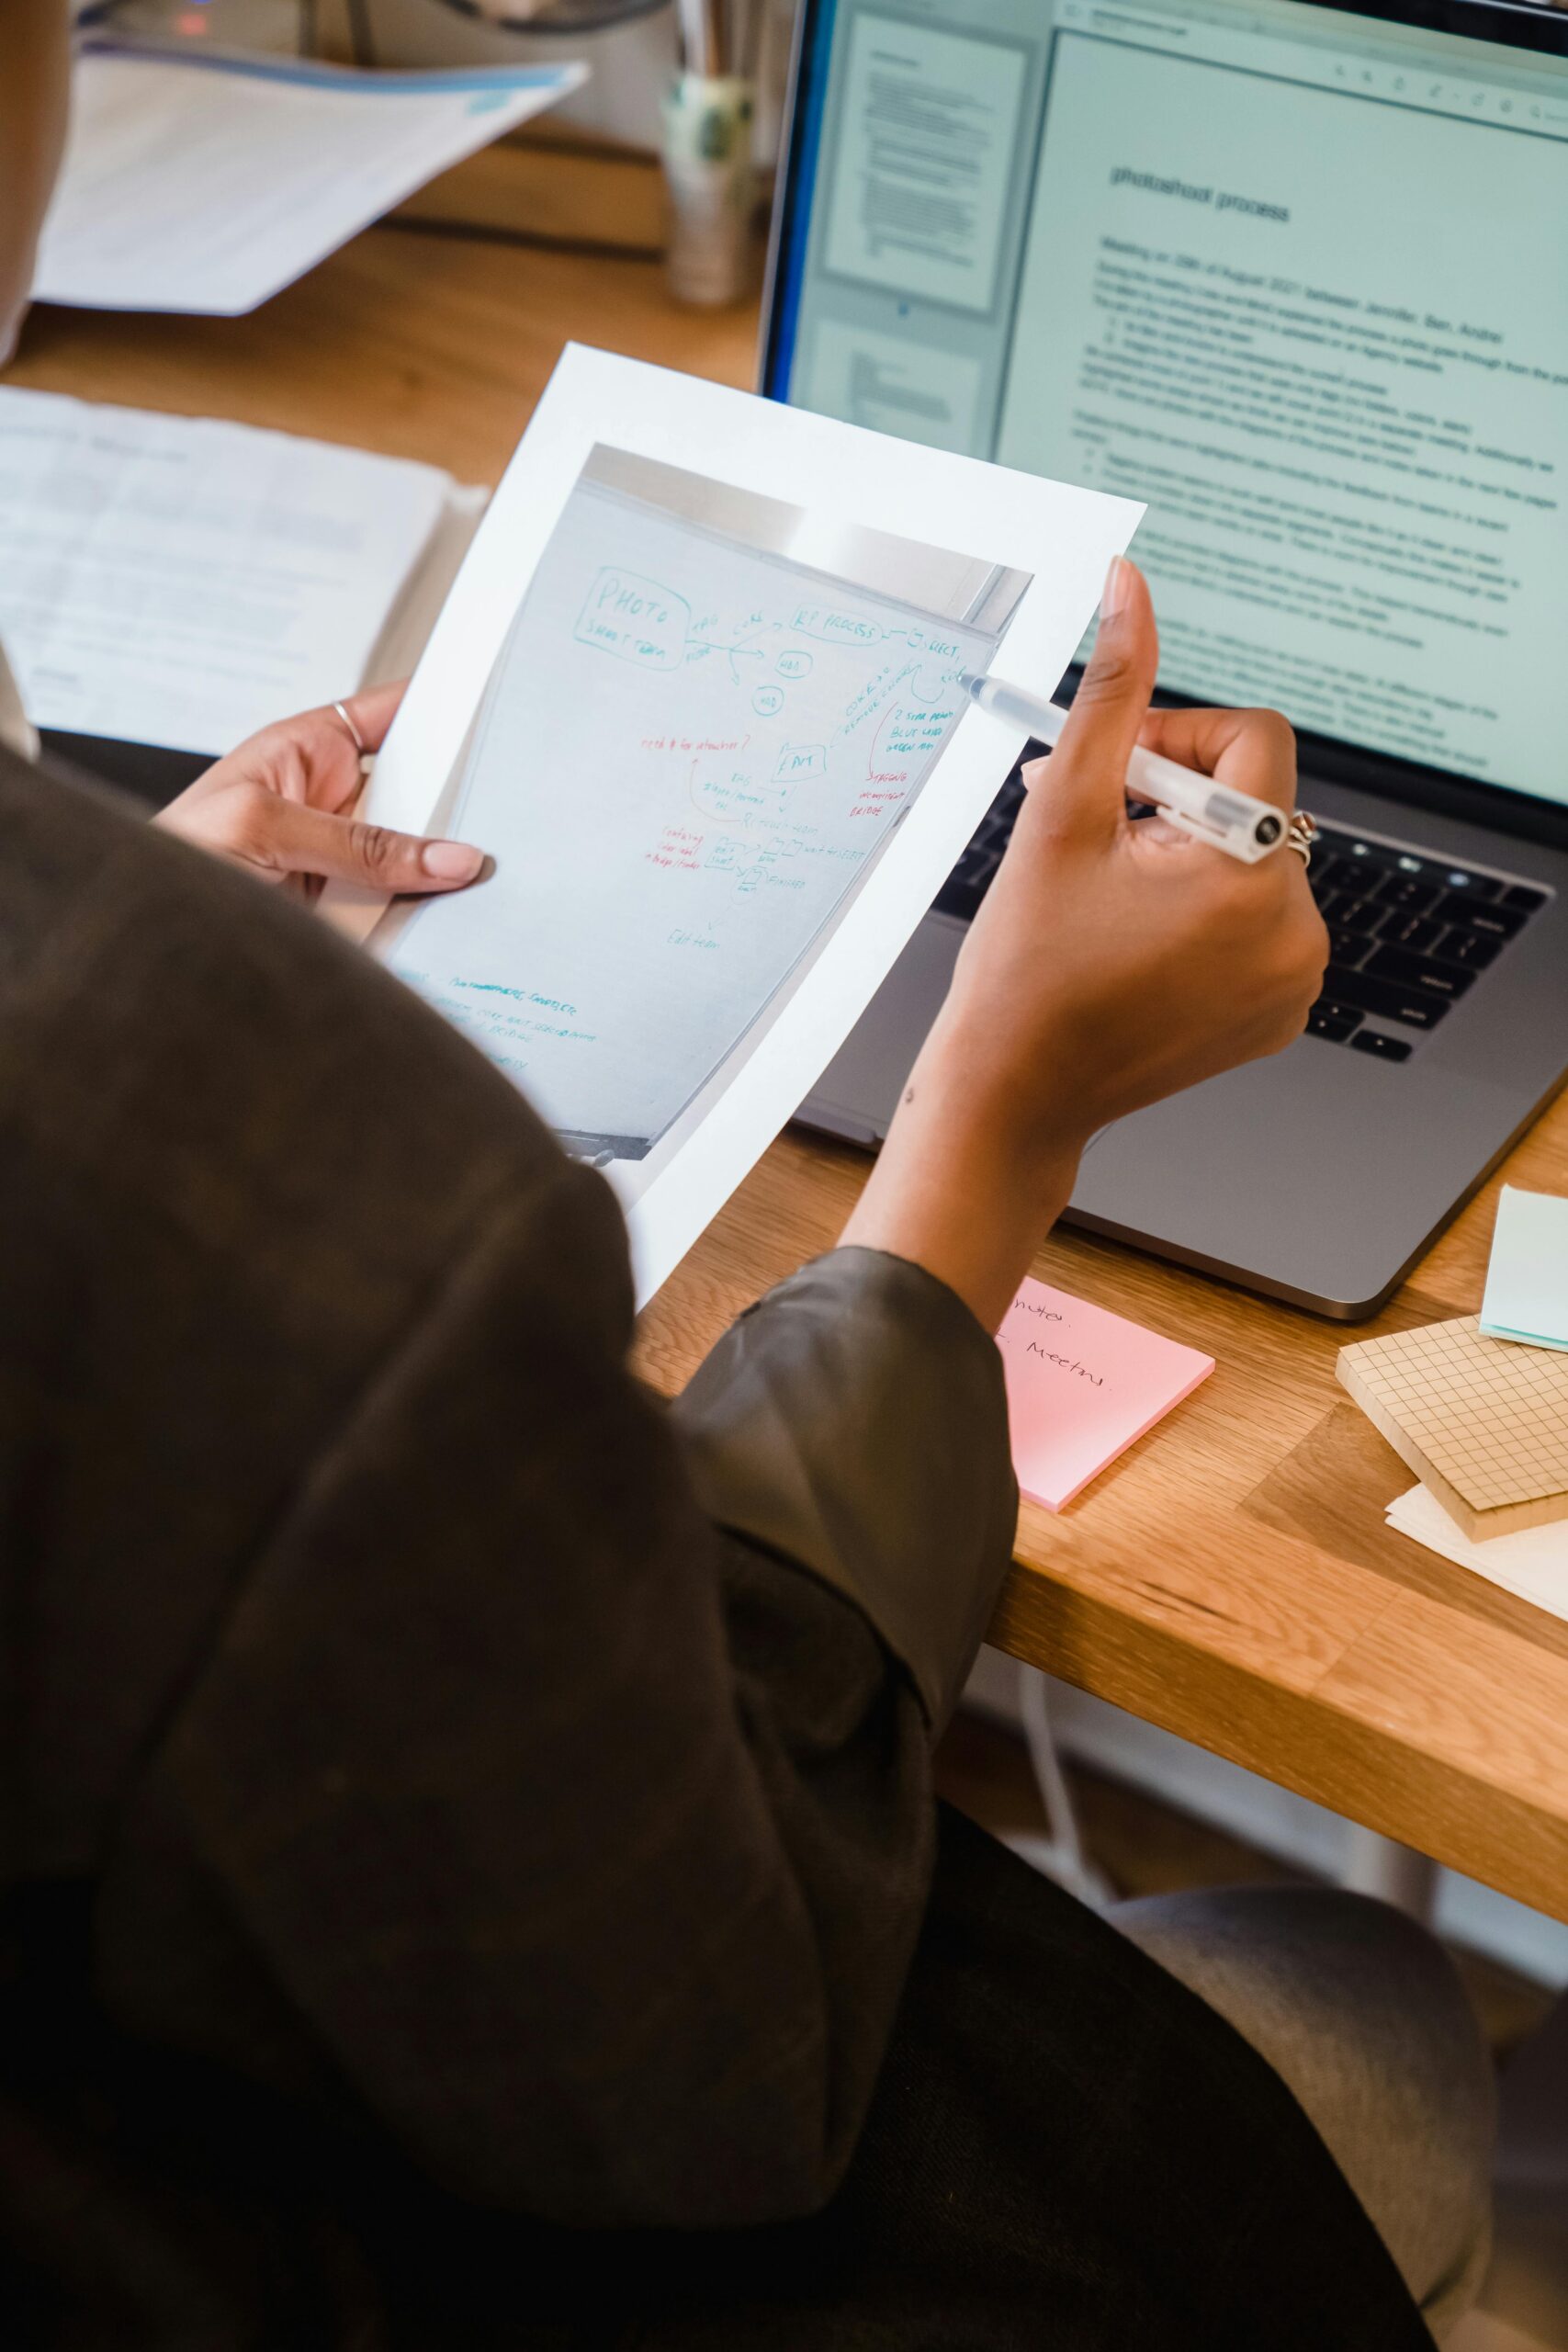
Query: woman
x,y
470,1874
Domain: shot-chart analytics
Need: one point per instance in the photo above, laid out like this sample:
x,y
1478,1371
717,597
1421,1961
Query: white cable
x,y
1059,1855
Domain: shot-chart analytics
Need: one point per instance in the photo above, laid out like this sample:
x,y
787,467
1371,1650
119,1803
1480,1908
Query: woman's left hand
x,y
281,805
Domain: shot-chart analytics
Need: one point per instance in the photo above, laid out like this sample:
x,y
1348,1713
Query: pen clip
x,y
1210,834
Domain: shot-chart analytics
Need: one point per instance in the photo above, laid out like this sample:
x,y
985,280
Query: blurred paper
x,y
206,183
171,580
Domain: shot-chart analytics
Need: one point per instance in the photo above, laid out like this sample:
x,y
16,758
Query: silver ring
x,y
1302,835
358,738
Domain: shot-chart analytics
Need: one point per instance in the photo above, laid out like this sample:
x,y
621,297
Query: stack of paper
x,y
206,183
171,580
1483,1424
1533,1564
1480,1410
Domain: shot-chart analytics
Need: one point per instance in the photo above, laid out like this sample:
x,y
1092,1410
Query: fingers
x,y
373,711
288,837
1253,749
1086,773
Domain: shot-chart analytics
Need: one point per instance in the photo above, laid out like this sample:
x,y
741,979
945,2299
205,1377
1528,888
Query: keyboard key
x,y
1388,1049
1417,971
1394,1002
1358,914
1524,899
1348,948
1402,890
1335,1011
976,866
1416,932
1371,856
1492,922
1334,1026
1468,949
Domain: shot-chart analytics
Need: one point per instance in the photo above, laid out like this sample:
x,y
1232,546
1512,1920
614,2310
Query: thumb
x,y
1086,773
301,840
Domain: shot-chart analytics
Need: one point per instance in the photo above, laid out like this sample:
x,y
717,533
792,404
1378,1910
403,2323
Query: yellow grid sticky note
x,y
1483,1422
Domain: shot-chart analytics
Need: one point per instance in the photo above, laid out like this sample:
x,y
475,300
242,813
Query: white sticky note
x,y
1532,1563
1527,1282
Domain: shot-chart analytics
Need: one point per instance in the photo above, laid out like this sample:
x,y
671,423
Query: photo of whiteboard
x,y
710,714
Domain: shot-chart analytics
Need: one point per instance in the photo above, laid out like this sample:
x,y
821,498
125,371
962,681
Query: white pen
x,y
1210,812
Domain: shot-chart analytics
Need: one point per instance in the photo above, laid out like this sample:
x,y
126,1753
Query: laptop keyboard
x,y
970,879
1407,937
1408,934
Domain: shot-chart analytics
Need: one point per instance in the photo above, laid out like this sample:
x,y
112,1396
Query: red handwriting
x,y
678,850
886,725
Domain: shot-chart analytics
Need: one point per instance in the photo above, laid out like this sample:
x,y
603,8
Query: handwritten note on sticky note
x,y
1082,1387
1527,1281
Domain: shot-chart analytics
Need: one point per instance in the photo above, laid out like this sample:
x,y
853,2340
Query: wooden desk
x,y
1231,1578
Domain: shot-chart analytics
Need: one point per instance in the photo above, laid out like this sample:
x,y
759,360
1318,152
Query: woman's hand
x,y
1112,963
280,806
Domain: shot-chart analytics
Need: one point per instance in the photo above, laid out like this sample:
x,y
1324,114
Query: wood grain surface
x,y
1231,1576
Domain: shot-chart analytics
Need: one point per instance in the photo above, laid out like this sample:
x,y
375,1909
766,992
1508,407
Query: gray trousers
x,y
1360,2011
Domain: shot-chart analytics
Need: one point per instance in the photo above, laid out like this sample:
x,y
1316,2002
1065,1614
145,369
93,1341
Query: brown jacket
x,y
436,1781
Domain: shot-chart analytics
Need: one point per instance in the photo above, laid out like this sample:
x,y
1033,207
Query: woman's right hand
x,y
1112,963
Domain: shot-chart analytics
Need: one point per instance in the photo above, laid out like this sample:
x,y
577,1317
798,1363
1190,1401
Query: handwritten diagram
x,y
691,752
767,663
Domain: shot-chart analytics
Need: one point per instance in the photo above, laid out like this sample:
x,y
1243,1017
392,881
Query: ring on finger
x,y
1302,835
358,738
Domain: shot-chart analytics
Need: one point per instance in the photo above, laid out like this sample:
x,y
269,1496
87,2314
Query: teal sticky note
x,y
1527,1282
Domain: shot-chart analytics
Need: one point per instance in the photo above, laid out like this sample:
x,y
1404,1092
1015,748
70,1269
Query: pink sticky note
x,y
1082,1385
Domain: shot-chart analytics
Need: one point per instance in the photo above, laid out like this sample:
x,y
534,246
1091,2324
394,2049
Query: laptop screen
x,y
1296,277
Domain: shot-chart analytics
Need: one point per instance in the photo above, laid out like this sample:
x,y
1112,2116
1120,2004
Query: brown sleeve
x,y
592,1840
854,1421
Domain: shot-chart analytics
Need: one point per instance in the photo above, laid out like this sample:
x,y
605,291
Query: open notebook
x,y
181,582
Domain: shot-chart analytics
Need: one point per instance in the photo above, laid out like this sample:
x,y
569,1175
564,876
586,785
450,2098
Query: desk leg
x,y
1061,1855
1394,1874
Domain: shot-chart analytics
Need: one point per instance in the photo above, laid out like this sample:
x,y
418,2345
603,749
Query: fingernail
x,y
1114,594
452,861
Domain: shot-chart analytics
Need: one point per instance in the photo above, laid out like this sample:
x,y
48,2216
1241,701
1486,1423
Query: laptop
x,y
1294,276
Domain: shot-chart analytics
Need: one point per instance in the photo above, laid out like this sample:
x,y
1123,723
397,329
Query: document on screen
x,y
697,693
1352,432
206,183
